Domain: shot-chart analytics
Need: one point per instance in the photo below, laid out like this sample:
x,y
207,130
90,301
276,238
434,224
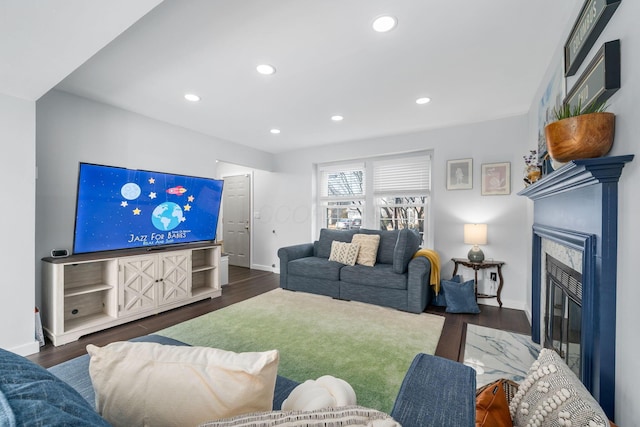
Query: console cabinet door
x,y
137,284
174,277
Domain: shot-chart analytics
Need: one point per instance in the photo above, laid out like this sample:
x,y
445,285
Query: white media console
x,y
90,292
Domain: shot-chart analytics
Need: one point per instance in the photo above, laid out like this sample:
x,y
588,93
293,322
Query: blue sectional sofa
x,y
435,392
396,280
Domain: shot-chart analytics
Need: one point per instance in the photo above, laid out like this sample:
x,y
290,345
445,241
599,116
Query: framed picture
x,y
496,179
460,174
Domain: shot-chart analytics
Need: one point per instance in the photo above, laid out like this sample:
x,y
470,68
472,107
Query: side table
x,y
481,266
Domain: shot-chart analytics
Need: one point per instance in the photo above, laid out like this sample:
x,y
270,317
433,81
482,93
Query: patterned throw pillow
x,y
344,416
344,253
368,248
552,395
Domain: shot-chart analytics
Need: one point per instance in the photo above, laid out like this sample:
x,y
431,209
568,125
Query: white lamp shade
x,y
475,234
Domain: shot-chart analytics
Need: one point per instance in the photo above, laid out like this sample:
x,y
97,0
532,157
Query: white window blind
x,y
409,176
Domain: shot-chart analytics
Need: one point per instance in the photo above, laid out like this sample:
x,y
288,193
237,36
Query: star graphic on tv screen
x,y
152,180
191,198
183,219
124,204
187,207
152,195
136,211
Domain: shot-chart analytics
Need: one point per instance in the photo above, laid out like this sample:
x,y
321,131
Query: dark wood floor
x,y
245,283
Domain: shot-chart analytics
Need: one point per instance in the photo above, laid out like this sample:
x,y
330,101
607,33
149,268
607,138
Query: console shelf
x,y
87,293
204,268
81,290
81,323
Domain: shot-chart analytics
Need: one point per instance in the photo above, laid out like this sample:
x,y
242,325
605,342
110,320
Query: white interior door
x,y
236,215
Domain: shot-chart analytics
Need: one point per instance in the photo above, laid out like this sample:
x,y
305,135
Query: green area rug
x,y
368,346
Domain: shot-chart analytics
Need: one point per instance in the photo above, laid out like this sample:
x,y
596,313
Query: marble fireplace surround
x,y
576,207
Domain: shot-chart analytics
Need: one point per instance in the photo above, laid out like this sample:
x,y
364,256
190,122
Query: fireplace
x,y
574,263
563,312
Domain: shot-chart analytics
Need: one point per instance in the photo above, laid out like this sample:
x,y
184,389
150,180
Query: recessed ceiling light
x,y
191,97
382,24
337,118
422,101
266,69
275,131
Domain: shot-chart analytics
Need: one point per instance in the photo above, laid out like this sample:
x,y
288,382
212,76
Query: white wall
x,y
624,103
71,129
502,140
18,174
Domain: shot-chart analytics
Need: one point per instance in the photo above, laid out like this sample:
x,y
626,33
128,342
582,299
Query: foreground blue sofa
x,y
435,392
397,280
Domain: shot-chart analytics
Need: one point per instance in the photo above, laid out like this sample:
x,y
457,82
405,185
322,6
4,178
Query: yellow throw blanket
x,y
434,259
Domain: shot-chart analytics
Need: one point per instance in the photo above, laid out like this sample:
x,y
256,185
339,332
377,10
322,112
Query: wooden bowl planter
x,y
580,137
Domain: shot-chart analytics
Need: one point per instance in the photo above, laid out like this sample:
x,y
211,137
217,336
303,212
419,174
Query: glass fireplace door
x,y
563,309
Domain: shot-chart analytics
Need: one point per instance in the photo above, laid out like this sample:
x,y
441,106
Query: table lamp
x,y
475,234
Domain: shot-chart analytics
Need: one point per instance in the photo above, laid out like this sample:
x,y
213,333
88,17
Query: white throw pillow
x,y
150,384
325,392
552,396
344,253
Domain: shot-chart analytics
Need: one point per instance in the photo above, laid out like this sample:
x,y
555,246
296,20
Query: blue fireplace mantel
x,y
576,174
577,206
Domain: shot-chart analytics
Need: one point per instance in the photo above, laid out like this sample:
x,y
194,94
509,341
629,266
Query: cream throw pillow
x,y
150,384
344,253
368,248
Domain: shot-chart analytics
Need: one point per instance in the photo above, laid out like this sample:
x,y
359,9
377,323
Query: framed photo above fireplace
x,y
496,179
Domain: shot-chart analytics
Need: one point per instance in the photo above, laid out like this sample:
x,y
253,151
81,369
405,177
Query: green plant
x,y
565,110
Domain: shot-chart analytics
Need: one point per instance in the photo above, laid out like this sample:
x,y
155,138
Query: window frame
x,y
369,200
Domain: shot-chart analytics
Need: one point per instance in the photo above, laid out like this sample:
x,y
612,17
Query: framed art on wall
x,y
496,179
460,174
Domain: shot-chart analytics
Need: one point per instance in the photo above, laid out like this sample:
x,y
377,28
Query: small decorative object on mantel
x,y
580,133
533,168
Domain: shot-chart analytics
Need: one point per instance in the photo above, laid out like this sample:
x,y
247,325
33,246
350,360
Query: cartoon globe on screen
x,y
167,216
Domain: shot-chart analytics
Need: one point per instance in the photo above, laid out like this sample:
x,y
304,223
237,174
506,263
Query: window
x,y
400,190
381,193
342,195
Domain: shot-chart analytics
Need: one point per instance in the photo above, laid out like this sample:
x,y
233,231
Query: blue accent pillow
x,y
407,245
30,395
440,300
461,297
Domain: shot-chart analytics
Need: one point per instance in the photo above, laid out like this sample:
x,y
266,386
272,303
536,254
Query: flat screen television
x,y
119,208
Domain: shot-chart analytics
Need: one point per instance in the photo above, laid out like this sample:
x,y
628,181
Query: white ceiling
x,y
477,60
42,41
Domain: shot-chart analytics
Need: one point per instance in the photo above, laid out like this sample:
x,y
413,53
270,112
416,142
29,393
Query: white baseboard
x,y
261,267
27,349
517,305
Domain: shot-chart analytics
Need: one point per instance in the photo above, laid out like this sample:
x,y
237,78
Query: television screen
x,y
118,208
